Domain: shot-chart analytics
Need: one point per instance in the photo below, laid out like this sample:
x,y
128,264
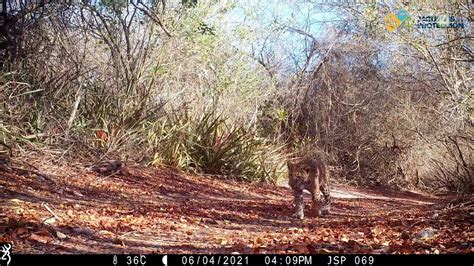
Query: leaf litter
x,y
159,210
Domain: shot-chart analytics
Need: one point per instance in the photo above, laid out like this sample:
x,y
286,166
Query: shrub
x,y
210,145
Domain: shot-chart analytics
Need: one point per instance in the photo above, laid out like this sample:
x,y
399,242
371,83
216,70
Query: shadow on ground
x,y
159,210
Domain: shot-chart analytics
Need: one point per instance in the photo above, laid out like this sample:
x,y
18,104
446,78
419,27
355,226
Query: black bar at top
x,y
241,260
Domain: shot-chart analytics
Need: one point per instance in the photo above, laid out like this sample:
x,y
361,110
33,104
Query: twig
x,y
47,208
75,107
35,136
156,19
107,176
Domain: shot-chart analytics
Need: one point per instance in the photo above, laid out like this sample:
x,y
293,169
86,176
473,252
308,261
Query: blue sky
x,y
267,23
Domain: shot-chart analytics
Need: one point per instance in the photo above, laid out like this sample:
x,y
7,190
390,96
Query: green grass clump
x,y
209,144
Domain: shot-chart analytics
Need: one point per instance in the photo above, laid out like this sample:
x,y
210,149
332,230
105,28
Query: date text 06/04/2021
x,y
275,260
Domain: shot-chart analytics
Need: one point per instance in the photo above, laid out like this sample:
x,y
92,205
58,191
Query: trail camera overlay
x,y
5,251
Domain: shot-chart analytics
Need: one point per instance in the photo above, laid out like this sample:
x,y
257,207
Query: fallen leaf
x,y
21,231
324,250
60,235
16,200
344,238
173,227
300,248
40,239
82,231
105,233
50,221
405,235
118,241
377,230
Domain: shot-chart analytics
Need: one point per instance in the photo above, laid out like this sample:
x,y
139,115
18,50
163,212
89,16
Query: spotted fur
x,y
313,176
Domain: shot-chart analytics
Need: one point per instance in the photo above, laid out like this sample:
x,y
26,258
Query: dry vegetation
x,y
176,83
169,84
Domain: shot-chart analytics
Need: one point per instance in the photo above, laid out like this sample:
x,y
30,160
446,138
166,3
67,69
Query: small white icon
x,y
165,260
6,253
115,260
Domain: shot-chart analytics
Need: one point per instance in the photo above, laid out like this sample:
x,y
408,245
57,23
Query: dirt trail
x,y
154,210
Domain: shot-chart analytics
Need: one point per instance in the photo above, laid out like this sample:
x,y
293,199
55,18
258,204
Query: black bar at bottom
x,y
242,260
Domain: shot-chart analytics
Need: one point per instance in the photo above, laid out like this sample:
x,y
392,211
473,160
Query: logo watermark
x,y
5,249
402,18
